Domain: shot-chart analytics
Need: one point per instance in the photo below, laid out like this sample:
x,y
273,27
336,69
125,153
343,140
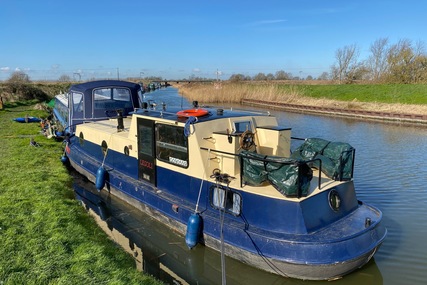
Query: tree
x,y
260,76
406,62
237,77
270,76
64,78
377,61
420,69
282,75
323,76
19,77
346,62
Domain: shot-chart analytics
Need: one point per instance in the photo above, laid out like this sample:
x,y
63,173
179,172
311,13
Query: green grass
x,y
379,93
46,235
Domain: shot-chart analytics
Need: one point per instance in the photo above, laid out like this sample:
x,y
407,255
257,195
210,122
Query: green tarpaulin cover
x,y
289,176
337,157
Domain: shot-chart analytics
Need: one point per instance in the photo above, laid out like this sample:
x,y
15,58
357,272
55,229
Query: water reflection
x,y
162,253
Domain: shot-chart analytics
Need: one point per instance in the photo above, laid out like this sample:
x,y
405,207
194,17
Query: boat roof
x,y
170,113
89,86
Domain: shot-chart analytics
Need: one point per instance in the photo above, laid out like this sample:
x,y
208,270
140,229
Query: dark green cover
x,y
290,177
254,168
337,157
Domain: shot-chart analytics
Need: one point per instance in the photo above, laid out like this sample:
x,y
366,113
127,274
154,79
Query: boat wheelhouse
x,y
227,179
95,100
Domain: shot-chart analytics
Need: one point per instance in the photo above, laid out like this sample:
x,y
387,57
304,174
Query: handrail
x,y
290,162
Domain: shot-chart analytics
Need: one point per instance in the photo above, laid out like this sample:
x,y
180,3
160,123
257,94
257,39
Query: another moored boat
x,y
27,119
227,179
95,100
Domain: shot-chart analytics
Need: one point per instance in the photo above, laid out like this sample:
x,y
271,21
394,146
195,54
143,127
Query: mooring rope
x,y
222,218
187,128
203,179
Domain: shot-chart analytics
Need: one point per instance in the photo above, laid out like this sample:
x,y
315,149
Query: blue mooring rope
x,y
187,128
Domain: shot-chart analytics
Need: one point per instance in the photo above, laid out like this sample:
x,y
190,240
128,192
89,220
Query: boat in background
x,y
27,119
227,179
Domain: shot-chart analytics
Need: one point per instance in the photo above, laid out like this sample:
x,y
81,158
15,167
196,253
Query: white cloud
x,y
196,70
5,69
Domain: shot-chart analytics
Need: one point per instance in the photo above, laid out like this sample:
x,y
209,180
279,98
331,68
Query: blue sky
x,y
178,39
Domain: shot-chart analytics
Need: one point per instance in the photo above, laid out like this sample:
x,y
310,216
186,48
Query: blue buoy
x,y
101,173
194,227
64,159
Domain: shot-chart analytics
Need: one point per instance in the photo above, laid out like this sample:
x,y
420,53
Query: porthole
x,y
81,138
334,200
126,150
104,147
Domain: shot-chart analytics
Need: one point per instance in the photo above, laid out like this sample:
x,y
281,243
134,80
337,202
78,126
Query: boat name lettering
x,y
146,163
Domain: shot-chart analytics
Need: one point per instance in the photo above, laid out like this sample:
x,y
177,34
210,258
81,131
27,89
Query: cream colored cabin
x,y
212,144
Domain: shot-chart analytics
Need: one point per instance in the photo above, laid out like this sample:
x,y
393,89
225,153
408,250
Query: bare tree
x,y
377,61
270,76
64,78
282,75
346,62
323,76
260,76
19,77
237,77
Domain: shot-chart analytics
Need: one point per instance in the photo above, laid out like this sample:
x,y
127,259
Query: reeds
x,y
232,92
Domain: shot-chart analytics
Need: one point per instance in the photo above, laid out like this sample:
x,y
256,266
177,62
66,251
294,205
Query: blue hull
x,y
308,249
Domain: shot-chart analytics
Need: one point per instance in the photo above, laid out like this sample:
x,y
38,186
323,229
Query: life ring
x,y
192,113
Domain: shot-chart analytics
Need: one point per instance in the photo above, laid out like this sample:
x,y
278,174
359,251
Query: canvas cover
x,y
337,157
289,176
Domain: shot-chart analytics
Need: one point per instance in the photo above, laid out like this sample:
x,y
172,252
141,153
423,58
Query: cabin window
x,y
145,135
112,98
121,94
241,127
225,199
77,102
172,145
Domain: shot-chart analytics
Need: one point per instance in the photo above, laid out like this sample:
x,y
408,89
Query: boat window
x,y
102,94
241,127
112,98
225,199
121,94
77,102
171,145
145,135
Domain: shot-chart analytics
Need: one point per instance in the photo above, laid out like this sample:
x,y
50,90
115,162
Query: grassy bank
x,y
46,236
403,98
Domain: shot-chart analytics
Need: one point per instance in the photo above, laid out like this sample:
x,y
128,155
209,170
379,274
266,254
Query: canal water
x,y
390,173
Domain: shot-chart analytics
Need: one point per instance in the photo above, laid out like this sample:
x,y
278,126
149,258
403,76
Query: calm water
x,y
390,173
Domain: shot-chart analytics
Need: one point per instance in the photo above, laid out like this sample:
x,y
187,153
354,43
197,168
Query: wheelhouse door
x,y
146,151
